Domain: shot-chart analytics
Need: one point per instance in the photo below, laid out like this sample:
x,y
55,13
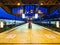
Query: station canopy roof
x,y
5,15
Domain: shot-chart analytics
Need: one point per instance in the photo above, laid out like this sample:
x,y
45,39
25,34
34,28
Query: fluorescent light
x,y
36,16
57,24
23,15
1,24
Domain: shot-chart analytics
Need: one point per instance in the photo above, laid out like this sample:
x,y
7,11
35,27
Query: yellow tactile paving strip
x,y
24,36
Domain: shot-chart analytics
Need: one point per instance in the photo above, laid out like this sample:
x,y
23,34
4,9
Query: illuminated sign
x,y
1,24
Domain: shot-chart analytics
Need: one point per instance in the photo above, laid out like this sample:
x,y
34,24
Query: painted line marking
x,y
11,36
50,36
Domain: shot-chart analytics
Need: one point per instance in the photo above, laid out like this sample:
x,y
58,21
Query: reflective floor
x,y
38,35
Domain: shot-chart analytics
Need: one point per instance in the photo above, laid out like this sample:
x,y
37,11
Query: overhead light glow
x,y
18,4
57,24
41,3
21,11
31,11
40,12
1,24
23,15
36,16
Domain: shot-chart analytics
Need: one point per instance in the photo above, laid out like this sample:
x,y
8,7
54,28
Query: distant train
x,y
47,22
6,22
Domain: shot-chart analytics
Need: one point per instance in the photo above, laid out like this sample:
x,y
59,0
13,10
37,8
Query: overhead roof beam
x,y
5,7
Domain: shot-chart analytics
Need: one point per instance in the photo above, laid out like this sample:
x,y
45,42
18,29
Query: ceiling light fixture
x,y
18,4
